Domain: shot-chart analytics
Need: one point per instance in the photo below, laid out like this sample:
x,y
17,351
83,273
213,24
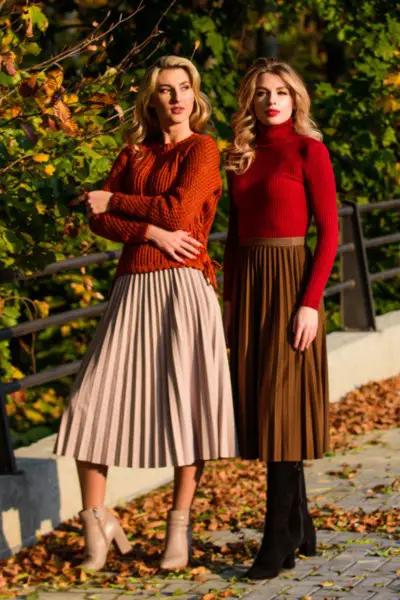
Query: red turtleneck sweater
x,y
290,180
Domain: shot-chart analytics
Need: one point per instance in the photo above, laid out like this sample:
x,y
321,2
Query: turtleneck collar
x,y
269,134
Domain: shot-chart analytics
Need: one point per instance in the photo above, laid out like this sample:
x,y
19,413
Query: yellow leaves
x,y
222,144
16,373
70,127
330,131
54,80
42,307
61,111
11,112
99,100
41,157
392,79
390,104
70,98
7,39
65,330
49,170
34,416
8,59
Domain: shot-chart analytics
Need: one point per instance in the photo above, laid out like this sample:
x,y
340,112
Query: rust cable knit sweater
x,y
173,186
290,181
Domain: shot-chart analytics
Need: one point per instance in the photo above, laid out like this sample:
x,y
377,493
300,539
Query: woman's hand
x,y
176,244
227,316
305,326
97,202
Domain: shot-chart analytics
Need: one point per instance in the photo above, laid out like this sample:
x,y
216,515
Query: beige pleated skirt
x,y
154,388
280,394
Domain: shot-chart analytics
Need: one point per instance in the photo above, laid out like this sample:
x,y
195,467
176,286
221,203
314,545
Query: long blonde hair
x,y
145,120
241,153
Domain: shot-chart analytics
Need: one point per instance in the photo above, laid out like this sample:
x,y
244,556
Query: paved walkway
x,y
349,565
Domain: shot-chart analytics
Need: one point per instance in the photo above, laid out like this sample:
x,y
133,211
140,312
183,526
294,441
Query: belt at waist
x,y
274,242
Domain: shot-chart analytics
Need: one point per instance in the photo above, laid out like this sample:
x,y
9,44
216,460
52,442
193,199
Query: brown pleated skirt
x,y
154,388
280,394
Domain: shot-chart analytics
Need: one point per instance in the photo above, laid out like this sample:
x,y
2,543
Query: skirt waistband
x,y
273,242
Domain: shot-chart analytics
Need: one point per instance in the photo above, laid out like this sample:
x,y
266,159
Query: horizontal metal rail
x,y
40,378
334,289
370,207
384,274
383,239
54,320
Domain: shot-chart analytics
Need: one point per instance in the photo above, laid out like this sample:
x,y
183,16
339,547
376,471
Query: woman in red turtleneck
x,y
280,176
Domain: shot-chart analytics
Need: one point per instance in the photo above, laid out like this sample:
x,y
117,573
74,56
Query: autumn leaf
x,y
70,127
61,111
99,100
42,307
29,87
41,157
49,170
120,112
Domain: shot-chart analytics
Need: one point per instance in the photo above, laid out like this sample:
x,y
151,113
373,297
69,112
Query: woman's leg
x,y
178,540
100,527
92,479
186,481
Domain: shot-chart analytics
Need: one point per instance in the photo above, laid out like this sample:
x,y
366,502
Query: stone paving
x,y
348,565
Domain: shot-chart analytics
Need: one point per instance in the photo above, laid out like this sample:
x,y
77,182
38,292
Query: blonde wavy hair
x,y
242,151
145,120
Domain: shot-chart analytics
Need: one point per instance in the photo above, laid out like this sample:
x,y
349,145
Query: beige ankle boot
x,y
100,529
178,541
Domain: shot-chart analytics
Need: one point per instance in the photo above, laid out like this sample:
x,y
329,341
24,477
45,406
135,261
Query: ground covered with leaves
x,y
231,497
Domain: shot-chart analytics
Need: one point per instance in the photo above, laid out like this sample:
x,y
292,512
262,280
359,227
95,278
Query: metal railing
x,y
357,305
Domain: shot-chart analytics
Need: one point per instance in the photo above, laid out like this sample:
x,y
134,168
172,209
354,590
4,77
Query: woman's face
x,y
173,98
272,101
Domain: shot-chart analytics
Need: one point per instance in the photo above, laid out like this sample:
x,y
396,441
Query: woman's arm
x,y
198,178
118,228
115,227
321,194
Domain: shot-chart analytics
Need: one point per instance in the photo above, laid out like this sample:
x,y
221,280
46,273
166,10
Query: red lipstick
x,y
272,112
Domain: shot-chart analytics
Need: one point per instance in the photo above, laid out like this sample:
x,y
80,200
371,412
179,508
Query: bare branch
x,y
91,39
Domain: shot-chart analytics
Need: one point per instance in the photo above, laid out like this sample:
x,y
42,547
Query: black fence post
x,y
357,304
8,465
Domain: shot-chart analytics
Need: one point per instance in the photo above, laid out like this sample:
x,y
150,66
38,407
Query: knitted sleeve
x,y
230,245
321,194
198,179
113,227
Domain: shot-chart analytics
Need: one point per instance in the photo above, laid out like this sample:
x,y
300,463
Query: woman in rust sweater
x,y
280,176
154,388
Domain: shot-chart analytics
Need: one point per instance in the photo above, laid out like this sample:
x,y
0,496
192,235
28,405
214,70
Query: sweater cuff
x,y
310,303
113,203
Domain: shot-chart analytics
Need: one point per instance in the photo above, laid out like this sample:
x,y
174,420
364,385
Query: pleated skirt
x,y
154,387
280,394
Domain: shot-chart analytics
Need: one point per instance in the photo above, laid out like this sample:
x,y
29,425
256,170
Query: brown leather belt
x,y
274,242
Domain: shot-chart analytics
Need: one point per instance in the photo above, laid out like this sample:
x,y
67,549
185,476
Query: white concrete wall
x,y
47,491
356,358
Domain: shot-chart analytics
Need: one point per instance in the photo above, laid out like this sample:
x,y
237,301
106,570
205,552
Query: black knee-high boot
x,y
308,545
301,524
278,544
